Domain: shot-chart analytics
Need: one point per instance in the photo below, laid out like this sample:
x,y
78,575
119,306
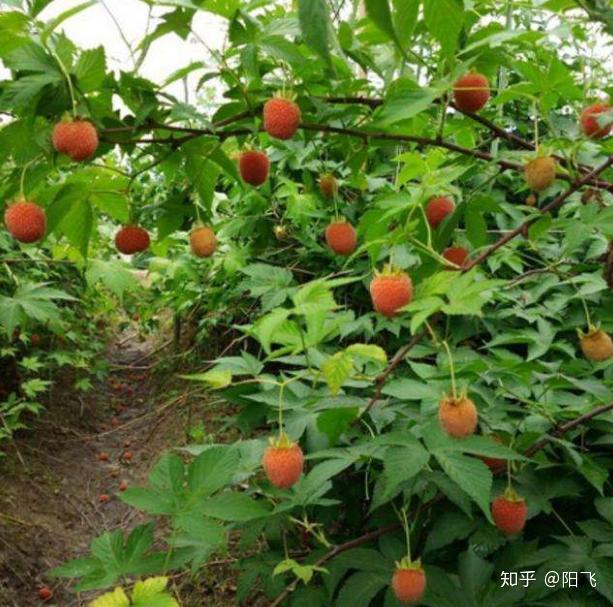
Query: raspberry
x,y
592,121
458,416
25,221
456,255
509,512
391,291
283,462
328,186
341,237
409,582
437,209
596,345
281,117
540,173
78,139
471,92
45,593
203,241
254,167
131,239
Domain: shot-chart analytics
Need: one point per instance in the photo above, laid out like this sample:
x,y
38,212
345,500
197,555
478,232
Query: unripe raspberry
x,y
328,186
540,173
596,345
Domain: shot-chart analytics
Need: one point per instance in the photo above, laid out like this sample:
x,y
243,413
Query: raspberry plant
x,y
425,371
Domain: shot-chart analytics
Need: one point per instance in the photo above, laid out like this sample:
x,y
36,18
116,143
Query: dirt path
x,y
50,497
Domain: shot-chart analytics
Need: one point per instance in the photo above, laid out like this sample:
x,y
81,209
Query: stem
x,y
407,531
281,388
67,78
451,369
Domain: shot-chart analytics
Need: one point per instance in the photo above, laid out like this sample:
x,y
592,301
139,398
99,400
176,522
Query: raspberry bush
x,y
401,211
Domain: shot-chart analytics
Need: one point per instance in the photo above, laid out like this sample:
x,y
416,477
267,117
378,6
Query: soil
x,y
53,477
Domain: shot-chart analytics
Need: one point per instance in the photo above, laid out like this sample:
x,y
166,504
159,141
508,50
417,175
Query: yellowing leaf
x,y
117,598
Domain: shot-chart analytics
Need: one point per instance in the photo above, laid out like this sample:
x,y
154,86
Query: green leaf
x,y
213,469
444,19
90,69
470,474
314,24
368,351
234,507
379,12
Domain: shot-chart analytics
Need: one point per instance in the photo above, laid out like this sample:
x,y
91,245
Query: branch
x,y
398,358
498,131
372,535
554,204
336,550
560,431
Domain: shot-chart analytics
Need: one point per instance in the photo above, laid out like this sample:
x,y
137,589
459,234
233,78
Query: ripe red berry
x,y
253,167
328,186
45,593
456,255
391,291
103,498
593,123
132,239
409,582
103,457
123,486
281,118
341,237
25,221
437,209
75,138
127,456
283,462
509,512
203,241
540,173
458,416
596,345
471,92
